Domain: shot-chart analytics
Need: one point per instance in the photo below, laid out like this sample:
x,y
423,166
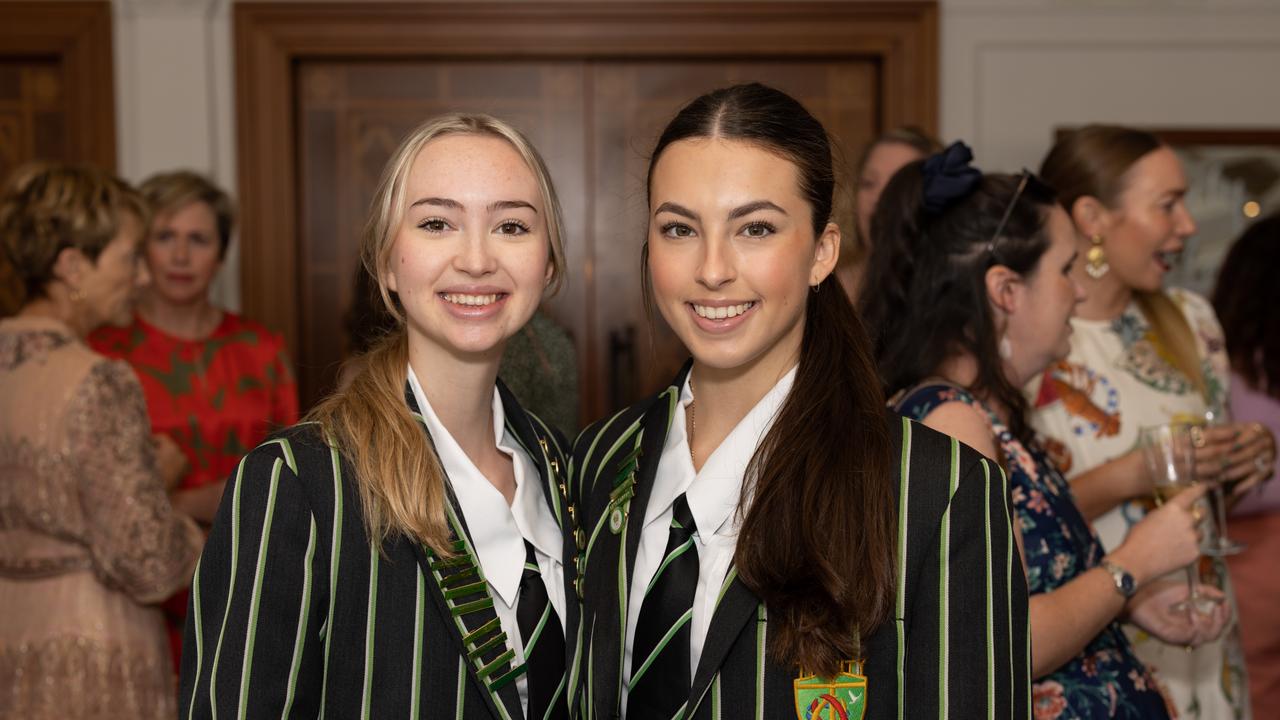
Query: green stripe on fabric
x,y
667,561
622,604
944,584
715,697
370,629
586,460
231,591
991,638
537,632
304,615
555,698
195,617
904,484
251,633
662,645
762,633
576,669
461,697
335,552
287,448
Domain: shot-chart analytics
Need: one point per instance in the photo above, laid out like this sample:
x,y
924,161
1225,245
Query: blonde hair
x,y
1095,161
46,208
397,473
172,191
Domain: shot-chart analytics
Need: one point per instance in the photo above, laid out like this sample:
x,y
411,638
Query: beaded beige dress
x,y
88,540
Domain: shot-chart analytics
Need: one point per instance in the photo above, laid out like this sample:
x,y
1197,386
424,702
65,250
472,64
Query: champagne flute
x,y
1219,545
1169,455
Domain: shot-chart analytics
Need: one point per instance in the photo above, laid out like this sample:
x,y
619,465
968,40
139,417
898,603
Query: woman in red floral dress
x,y
214,382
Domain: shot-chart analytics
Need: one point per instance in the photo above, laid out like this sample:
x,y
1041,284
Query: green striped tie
x,y
660,674
543,641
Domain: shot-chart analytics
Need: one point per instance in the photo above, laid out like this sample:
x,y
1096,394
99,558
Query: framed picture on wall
x,y
1234,179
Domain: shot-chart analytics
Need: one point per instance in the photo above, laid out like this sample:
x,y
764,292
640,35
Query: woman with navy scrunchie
x,y
969,298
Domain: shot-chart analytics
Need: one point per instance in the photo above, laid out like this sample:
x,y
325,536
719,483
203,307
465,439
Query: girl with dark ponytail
x,y
765,540
974,296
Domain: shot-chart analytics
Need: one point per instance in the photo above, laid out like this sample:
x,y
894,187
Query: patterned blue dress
x,y
1106,680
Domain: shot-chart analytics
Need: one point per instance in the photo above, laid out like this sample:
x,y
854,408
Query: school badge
x,y
843,697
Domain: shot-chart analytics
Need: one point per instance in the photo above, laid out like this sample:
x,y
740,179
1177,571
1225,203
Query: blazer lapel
x,y
736,607
462,595
609,624
553,473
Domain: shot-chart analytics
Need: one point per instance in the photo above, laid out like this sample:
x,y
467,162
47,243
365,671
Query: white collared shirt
x,y
498,530
713,494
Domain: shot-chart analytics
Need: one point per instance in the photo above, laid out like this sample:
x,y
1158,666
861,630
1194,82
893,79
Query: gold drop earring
x,y
1096,259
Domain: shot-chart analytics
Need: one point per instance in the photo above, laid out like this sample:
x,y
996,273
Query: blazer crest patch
x,y
843,697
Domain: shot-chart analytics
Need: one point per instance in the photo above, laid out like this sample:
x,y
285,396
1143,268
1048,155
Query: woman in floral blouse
x,y
1143,355
971,297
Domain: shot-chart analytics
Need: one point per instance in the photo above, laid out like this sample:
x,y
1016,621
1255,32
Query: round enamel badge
x,y
615,520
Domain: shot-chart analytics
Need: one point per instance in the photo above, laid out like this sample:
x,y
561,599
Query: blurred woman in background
x,y
880,159
88,539
215,382
1246,300
973,289
1141,356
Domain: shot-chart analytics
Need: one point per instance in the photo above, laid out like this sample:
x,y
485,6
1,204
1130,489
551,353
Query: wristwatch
x,y
1125,584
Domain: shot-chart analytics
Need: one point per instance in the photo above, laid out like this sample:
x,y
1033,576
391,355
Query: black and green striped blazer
x,y
293,613
958,644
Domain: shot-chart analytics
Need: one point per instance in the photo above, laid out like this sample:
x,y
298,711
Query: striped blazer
x,y
957,645
293,613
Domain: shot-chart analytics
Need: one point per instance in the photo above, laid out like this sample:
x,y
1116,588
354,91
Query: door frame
x,y
271,38
78,36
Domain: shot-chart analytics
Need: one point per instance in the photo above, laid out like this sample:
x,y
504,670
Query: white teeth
x,y
721,312
462,299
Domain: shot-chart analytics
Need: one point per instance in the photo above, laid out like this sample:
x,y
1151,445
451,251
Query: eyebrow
x,y
676,209
754,207
734,214
455,205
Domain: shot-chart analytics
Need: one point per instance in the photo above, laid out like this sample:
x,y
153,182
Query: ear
x,y
1004,289
1091,217
551,272
826,254
389,279
70,265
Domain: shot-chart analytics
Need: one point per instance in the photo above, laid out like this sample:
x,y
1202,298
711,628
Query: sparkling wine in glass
x,y
1219,545
1170,458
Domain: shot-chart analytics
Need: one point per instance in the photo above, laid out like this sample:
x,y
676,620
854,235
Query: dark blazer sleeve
x,y
968,652
253,642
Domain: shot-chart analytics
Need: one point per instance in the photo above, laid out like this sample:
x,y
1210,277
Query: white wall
x,y
1012,71
175,99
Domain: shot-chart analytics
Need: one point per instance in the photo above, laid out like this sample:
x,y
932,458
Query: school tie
x,y
660,674
543,641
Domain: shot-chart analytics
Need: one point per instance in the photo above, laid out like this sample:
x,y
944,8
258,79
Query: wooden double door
x,y
594,119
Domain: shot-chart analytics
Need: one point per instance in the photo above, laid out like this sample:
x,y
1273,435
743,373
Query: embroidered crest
x,y
843,697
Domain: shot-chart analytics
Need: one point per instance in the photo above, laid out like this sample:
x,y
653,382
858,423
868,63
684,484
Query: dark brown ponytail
x,y
817,539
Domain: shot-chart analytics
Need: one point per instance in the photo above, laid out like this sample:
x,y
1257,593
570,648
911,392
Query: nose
x,y
717,267
1186,225
1081,293
181,251
476,256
